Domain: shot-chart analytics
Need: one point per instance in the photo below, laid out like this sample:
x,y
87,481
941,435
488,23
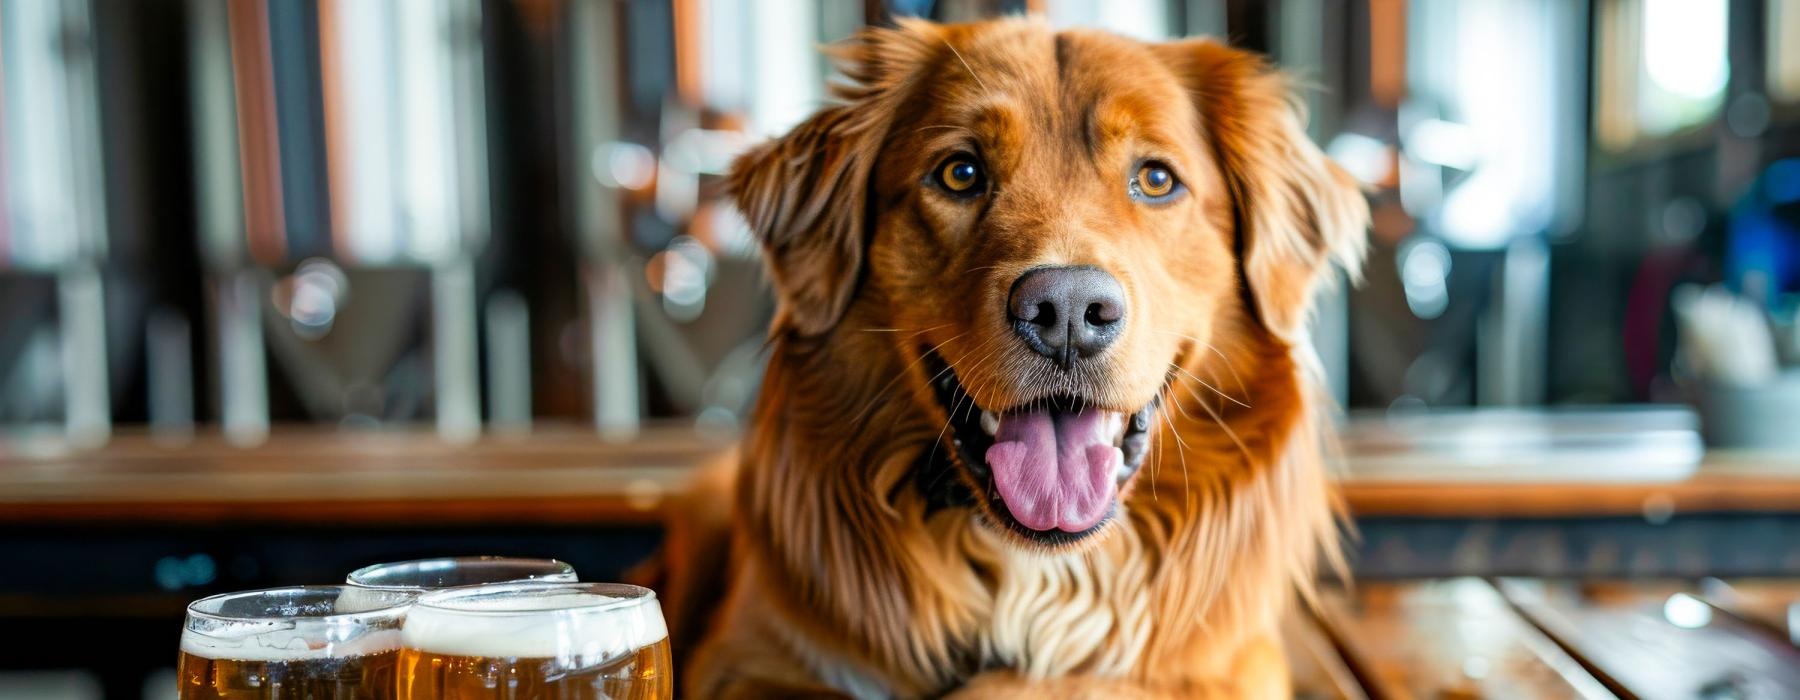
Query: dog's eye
x,y
1154,182
960,175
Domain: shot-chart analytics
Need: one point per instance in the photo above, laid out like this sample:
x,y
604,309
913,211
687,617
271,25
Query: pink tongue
x,y
1055,471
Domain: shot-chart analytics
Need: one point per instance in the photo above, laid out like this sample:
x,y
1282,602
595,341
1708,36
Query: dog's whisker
x,y
1181,451
860,415
1155,468
1229,367
1179,403
976,390
1214,376
923,331
1242,448
995,377
972,394
965,65
1155,446
1223,358
1203,383
1182,408
1242,387
949,418
1200,399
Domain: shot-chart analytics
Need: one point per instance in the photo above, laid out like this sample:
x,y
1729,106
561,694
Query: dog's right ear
x,y
805,194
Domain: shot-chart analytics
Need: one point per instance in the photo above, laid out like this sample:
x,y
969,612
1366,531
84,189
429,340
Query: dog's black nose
x,y
1066,313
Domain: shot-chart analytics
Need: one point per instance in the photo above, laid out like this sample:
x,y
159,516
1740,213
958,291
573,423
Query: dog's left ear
x,y
1296,211
805,193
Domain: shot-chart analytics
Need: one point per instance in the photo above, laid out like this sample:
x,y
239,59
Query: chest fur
x,y
1056,614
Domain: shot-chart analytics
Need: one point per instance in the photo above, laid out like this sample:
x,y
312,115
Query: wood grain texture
x,y
566,474
1770,604
1454,638
1319,672
324,477
1645,644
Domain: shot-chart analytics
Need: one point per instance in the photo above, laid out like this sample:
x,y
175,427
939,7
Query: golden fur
x,y
845,581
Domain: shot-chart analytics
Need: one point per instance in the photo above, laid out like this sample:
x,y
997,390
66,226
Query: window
x,y
1784,50
1662,68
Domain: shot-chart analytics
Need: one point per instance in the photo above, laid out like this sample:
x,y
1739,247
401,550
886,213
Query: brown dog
x,y
1038,420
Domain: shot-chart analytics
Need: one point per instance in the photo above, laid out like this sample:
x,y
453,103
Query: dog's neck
x,y
851,520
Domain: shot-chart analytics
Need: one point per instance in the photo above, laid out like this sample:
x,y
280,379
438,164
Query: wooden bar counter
x,y
567,475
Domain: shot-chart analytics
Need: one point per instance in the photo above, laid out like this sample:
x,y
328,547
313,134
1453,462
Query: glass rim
x,y
562,568
620,596
403,600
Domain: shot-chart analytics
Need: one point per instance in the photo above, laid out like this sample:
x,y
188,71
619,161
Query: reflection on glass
x,y
452,572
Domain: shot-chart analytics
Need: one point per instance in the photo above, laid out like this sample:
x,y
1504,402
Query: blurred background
x,y
290,286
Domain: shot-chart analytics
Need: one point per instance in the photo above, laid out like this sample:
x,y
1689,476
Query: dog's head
x,y
1050,227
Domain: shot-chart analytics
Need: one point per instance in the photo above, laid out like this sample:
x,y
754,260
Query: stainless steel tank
x,y
53,202
341,147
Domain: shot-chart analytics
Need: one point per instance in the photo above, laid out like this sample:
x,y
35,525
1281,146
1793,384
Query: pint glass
x,y
320,642
536,640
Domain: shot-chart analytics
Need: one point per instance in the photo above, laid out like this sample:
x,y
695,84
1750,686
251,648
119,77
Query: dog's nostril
x,y
1099,314
1044,315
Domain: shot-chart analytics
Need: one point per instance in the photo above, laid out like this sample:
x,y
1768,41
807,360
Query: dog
x,y
1039,418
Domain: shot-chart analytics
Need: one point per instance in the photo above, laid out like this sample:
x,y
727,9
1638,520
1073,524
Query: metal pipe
x,y
454,346
353,132
87,402
243,373
52,197
168,359
509,362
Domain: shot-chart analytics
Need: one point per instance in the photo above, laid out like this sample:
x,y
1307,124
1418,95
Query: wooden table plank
x,y
1725,481
1319,672
1454,638
1615,461
568,474
1772,604
1650,645
310,476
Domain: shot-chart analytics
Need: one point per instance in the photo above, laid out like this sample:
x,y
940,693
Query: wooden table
x,y
567,475
1723,482
1519,638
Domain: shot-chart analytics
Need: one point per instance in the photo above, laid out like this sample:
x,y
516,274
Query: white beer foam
x,y
574,626
272,643
299,629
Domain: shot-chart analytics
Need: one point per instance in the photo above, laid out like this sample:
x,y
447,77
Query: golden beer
x,y
364,677
452,572
535,640
315,642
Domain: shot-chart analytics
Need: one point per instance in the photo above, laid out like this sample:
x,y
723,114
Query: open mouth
x,y
1052,467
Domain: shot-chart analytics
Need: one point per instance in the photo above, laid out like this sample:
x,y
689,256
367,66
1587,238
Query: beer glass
x,y
536,640
319,642
451,572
